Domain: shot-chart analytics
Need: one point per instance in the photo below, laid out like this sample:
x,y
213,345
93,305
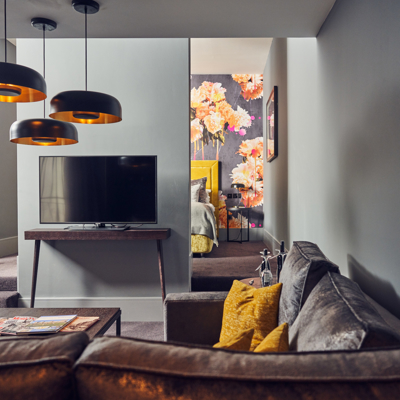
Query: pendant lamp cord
x,y
5,30
44,66
85,48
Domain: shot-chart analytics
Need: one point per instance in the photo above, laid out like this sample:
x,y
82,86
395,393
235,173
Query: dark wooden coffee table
x,y
107,316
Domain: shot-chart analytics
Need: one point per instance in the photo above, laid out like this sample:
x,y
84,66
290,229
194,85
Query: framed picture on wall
x,y
272,125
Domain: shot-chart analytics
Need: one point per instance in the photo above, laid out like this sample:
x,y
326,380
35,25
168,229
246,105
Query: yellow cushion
x,y
246,307
201,244
241,341
276,342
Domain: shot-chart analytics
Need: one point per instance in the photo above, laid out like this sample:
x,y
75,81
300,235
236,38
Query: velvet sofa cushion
x,y
337,316
305,265
122,368
33,368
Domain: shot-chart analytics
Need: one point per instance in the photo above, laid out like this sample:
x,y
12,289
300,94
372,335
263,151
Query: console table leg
x,y
35,271
118,328
161,268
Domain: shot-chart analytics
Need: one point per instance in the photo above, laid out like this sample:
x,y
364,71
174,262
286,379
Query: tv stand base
x,y
96,227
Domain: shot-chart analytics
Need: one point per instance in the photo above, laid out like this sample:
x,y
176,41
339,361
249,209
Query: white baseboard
x,y
133,308
8,246
256,234
271,242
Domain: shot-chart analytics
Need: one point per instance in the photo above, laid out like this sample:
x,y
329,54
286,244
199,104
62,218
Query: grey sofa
x,y
343,346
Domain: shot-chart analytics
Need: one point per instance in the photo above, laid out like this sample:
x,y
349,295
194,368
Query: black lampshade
x,y
43,132
19,84
85,107
237,186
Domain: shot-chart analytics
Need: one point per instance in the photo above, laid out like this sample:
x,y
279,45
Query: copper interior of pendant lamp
x,y
19,84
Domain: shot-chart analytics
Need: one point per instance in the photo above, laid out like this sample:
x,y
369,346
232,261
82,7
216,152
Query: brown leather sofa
x,y
343,346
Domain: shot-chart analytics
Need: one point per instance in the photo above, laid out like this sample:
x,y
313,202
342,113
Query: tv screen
x,y
98,189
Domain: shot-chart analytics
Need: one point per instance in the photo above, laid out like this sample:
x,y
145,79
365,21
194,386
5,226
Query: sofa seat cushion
x,y
337,316
122,368
39,368
305,265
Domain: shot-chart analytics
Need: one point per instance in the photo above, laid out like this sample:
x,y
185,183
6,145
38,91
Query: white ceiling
x,y
229,56
173,18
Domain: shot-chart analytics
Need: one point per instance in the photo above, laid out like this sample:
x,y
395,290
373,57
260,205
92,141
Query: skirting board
x,y
132,308
8,246
272,242
256,234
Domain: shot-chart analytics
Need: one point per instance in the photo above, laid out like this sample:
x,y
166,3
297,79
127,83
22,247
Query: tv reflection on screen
x,y
98,189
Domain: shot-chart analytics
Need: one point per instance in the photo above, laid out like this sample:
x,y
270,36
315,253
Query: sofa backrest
x,y
337,316
305,265
39,368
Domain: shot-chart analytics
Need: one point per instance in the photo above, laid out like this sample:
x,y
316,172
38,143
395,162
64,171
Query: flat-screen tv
x,y
98,189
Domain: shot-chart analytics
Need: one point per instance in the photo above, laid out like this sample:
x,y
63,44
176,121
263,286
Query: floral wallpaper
x,y
226,125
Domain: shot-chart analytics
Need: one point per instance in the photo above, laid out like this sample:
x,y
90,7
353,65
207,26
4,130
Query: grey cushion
x,y
202,192
305,265
119,368
337,316
33,368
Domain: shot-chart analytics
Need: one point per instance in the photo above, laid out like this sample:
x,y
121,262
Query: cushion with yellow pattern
x,y
277,341
246,307
241,341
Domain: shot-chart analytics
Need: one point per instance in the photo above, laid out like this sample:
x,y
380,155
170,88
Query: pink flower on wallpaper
x,y
231,128
253,117
253,225
242,132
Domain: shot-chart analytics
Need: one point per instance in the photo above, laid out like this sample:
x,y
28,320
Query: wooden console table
x,y
130,234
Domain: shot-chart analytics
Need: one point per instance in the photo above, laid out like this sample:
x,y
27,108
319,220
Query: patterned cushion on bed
x,y
202,193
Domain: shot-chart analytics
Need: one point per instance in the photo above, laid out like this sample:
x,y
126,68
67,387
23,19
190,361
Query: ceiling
x,y
229,56
173,18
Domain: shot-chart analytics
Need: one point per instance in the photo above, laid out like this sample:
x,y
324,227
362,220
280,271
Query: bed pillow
x,y
246,307
202,193
194,195
208,200
304,267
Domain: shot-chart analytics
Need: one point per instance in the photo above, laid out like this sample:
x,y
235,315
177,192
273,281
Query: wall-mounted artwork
x,y
226,125
272,125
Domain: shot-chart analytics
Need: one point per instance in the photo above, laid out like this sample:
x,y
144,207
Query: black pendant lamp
x,y
42,131
19,84
83,106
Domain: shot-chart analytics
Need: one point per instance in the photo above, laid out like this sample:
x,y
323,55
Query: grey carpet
x,y
217,270
140,330
8,273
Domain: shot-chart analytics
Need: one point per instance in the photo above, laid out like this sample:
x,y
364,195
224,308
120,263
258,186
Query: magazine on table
x,y
46,324
11,326
80,324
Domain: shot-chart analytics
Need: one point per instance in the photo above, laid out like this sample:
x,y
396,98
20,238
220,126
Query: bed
x,y
209,169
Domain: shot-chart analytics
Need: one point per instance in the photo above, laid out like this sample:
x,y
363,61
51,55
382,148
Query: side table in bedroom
x,y
239,211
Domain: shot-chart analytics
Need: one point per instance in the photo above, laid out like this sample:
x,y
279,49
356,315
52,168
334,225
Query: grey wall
x,y
343,146
276,172
8,166
150,77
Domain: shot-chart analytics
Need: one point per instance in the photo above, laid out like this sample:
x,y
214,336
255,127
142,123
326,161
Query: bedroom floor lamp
x,y
83,106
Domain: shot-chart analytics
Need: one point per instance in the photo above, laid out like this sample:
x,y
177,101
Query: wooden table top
x,y
107,316
92,234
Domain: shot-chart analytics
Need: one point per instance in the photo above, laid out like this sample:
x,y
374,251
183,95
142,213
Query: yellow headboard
x,y
208,168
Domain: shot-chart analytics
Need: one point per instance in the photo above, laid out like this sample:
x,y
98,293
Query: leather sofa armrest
x,y
194,317
123,368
